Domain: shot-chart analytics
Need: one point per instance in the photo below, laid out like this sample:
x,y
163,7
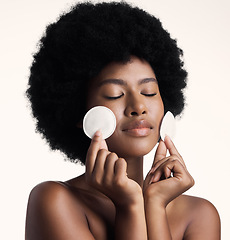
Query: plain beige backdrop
x,y
202,30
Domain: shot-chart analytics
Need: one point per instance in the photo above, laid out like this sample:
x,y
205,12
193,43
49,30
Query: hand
x,y
106,172
159,185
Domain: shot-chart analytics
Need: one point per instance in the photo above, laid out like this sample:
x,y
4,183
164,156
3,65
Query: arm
x,y
107,173
160,188
130,222
157,222
52,213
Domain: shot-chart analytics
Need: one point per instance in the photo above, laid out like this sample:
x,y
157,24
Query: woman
x,y
118,56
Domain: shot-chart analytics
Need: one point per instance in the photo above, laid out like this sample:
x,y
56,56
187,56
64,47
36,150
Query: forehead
x,y
135,70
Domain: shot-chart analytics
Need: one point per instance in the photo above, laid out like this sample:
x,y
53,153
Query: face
x,y
131,91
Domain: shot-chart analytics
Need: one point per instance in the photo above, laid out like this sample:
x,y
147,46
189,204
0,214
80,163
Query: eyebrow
x,y
124,83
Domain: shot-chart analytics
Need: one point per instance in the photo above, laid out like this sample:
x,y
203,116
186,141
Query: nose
x,y
135,107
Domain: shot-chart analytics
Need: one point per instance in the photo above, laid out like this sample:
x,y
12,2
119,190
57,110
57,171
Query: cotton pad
x,y
168,126
99,118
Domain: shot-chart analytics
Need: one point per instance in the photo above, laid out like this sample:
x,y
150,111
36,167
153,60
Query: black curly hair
x,y
77,47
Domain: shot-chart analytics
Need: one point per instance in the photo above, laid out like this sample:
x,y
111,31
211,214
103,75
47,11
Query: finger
x,y
103,144
120,170
160,152
173,150
92,152
109,167
167,168
160,162
171,147
100,162
147,179
163,172
97,175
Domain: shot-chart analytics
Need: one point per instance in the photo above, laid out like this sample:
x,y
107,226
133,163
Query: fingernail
x,y
167,136
97,133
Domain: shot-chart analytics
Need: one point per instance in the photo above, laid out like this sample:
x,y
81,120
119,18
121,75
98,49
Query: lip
x,y
138,128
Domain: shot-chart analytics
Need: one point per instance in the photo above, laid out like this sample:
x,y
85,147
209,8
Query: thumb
x,y
160,152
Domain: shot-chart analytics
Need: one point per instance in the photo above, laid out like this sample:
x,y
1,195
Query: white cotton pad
x,y
99,118
168,126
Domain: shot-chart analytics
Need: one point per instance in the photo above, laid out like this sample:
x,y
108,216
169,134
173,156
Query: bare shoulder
x,y
199,208
48,190
49,194
54,213
195,204
203,221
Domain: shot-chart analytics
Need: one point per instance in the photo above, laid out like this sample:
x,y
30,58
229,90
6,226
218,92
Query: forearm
x,y
130,222
157,222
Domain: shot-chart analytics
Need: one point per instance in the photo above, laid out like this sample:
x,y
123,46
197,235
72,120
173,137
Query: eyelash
x,y
114,98
117,97
149,95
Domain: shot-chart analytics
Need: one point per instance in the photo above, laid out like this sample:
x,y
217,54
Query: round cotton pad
x,y
99,118
168,126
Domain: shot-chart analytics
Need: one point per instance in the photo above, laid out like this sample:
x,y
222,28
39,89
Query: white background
x,y
203,32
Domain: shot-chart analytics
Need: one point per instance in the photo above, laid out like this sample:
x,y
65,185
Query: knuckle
x,y
113,155
118,182
148,193
165,167
110,160
176,161
121,162
173,160
192,181
102,152
189,182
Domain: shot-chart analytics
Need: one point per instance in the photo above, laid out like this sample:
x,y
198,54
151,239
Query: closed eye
x,y
114,98
149,94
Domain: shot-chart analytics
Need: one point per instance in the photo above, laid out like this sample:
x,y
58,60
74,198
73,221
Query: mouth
x,y
138,128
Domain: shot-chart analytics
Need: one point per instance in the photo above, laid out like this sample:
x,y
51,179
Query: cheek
x,y
156,111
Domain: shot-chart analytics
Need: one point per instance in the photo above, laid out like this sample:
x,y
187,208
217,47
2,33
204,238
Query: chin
x,y
139,152
132,148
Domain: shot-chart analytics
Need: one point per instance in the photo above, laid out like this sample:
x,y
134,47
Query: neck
x,y
135,169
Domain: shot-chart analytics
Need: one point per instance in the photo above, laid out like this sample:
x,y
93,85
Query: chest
x,y
101,221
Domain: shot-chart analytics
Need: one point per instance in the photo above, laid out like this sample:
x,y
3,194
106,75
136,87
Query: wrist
x,y
155,201
131,204
129,199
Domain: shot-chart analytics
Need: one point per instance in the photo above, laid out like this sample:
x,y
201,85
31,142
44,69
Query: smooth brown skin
x,y
112,200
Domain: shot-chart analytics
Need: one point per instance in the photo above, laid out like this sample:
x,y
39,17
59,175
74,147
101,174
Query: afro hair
x,y
77,47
